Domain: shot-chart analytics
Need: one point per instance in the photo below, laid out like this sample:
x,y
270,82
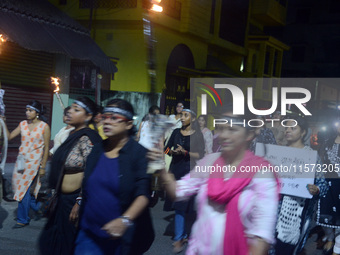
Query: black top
x,y
60,156
133,182
182,164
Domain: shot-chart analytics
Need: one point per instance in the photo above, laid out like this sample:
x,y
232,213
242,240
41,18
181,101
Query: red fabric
x,y
228,192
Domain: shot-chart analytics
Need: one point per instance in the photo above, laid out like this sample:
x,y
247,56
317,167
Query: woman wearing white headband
x,y
185,146
116,190
67,173
31,162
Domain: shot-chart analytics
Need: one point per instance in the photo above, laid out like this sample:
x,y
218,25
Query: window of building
x,y
86,4
233,22
298,54
303,15
82,75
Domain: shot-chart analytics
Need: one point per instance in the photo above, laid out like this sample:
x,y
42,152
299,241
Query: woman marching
x,y
296,214
236,212
31,162
116,190
66,177
185,146
329,205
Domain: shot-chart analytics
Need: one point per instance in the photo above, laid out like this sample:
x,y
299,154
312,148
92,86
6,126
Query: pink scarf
x,y
228,192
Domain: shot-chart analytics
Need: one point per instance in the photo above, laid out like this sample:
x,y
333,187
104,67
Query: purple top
x,y
102,193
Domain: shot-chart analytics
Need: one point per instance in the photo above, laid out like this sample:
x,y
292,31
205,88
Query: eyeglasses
x,y
179,106
113,117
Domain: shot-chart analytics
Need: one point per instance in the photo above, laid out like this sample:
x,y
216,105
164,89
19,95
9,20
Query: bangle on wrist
x,y
126,221
78,200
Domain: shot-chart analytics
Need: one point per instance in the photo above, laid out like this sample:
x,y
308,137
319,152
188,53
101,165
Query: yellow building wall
x,y
130,49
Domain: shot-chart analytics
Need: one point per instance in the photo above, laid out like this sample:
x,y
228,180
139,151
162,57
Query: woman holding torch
x,y
31,161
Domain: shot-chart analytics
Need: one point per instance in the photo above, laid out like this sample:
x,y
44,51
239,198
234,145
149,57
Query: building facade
x,y
158,52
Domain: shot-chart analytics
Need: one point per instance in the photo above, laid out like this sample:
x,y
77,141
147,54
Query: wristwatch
x,y
126,221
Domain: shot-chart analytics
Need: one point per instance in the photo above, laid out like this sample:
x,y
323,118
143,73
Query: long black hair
x,y
41,109
125,105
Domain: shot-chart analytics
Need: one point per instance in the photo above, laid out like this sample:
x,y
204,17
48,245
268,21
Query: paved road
x,y
23,241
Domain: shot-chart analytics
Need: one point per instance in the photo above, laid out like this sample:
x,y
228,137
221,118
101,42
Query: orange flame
x,y
2,38
55,81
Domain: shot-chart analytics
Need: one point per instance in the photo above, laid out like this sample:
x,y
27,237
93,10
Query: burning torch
x,y
3,39
55,82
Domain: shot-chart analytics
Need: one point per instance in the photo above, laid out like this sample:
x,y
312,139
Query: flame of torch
x,y
55,82
3,39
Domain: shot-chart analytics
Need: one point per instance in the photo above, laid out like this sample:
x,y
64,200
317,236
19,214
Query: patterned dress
x,y
32,148
295,217
329,204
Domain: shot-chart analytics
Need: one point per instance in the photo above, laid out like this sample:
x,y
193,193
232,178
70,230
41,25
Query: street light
x,y
153,5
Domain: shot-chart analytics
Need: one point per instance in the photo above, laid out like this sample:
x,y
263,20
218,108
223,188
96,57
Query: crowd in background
x,y
101,191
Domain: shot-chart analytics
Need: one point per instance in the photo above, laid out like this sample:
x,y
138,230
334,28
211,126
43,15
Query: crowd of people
x,y
101,187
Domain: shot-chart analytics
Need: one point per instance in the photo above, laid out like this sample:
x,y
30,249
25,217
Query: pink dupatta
x,y
228,192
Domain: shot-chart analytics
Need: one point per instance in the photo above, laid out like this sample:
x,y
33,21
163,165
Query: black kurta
x,y
182,164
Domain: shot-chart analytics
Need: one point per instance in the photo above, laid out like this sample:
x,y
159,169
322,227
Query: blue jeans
x,y
179,225
88,244
24,206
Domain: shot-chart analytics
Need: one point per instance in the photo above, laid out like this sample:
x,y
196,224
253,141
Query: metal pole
x,y
150,42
